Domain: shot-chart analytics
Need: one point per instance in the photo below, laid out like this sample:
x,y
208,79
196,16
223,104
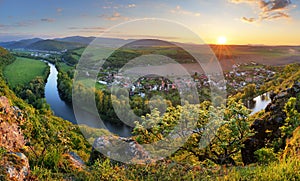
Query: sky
x,y
269,22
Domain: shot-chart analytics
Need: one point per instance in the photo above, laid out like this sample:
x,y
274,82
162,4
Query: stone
x,y
74,161
15,166
272,95
122,150
281,95
11,136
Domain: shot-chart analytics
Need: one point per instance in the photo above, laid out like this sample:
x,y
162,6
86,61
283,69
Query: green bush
x,y
265,155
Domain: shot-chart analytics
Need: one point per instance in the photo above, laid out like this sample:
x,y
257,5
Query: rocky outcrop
x,y
14,166
13,163
267,128
125,150
11,137
74,161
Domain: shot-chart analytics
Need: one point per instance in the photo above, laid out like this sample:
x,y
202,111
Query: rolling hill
x,y
53,45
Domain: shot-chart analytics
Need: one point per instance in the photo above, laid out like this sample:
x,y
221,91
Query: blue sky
x,y
241,21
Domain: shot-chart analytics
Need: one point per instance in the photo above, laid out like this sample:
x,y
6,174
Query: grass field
x,y
64,67
23,70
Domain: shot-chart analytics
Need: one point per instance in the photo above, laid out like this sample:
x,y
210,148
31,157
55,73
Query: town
x,y
235,80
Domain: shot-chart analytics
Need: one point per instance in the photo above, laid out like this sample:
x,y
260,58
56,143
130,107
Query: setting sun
x,y
222,40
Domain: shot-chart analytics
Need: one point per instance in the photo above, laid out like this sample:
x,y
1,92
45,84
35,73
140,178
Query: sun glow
x,y
222,40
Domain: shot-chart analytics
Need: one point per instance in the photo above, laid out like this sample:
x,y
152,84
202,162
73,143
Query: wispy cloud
x,y
59,10
95,29
119,6
114,17
49,20
269,9
248,20
87,28
17,25
179,10
131,5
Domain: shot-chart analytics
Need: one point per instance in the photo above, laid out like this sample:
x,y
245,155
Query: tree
x,y
293,118
223,146
250,91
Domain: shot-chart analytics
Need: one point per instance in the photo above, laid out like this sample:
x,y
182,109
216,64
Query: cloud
x,y
114,17
269,9
179,10
59,10
131,5
49,20
95,29
106,7
248,20
17,25
87,28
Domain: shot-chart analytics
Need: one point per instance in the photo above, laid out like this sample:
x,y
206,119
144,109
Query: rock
x,y
74,161
272,95
273,107
121,149
251,145
279,120
267,128
15,166
256,125
297,84
11,137
281,95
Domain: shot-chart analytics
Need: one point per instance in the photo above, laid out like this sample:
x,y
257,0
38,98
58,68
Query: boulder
x,y
119,149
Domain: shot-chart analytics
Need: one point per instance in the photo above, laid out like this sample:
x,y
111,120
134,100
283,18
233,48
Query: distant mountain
x,y
20,44
72,42
77,39
53,45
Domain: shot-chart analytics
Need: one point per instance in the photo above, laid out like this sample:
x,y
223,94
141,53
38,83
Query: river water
x,y
65,111
259,103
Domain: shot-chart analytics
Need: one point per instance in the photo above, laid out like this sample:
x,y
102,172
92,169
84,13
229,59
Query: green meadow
x,y
23,70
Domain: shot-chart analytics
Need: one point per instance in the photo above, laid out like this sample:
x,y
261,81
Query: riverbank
x,y
65,110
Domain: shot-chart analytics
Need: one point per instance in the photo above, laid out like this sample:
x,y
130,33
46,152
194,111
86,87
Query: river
x,y
65,111
259,103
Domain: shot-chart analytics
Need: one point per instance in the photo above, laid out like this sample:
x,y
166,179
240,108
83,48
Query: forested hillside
x,y
45,147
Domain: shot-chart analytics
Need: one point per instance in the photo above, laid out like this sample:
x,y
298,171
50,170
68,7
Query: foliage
x,y
293,118
249,91
292,149
50,137
283,79
265,155
27,77
226,143
284,170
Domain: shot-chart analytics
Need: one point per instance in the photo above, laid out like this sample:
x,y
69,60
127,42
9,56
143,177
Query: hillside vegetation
x,y
23,70
53,147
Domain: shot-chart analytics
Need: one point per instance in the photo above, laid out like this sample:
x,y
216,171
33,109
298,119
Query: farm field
x,y
23,70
